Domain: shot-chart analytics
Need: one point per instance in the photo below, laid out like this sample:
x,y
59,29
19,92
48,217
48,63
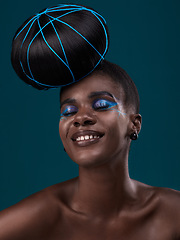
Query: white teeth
x,y
86,137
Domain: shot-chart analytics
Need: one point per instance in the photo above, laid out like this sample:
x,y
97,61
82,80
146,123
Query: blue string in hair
x,y
61,7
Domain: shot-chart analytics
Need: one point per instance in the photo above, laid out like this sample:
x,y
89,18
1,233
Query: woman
x,y
99,119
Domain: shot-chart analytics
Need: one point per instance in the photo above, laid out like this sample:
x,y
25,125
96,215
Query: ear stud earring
x,y
134,136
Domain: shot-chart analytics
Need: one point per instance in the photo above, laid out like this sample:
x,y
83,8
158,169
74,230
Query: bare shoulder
x,y
170,201
166,208
170,209
166,197
27,218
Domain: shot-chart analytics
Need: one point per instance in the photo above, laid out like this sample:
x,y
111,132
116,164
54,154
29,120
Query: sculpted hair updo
x,y
59,46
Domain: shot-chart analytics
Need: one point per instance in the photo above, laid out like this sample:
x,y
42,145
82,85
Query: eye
x,y
69,110
103,104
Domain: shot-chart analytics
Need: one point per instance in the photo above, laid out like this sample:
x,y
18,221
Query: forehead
x,y
92,83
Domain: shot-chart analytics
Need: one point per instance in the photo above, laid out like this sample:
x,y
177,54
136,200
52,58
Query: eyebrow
x,y
91,95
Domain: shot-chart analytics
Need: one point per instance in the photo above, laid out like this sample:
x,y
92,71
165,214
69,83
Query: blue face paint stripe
x,y
118,111
62,118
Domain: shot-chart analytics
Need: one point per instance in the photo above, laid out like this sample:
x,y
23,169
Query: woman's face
x,y
94,125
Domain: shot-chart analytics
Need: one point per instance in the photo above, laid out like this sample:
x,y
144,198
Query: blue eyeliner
x,y
70,109
98,105
103,104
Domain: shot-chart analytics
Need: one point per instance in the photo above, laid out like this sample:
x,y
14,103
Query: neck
x,y
103,190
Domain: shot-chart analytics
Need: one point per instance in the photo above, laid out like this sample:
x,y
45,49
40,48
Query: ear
x,y
136,121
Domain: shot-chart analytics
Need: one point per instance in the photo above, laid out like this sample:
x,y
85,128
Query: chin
x,y
89,159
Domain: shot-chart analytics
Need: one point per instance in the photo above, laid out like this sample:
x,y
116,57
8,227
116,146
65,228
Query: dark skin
x,y
103,202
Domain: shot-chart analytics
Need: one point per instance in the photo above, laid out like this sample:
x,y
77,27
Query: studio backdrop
x,y
144,40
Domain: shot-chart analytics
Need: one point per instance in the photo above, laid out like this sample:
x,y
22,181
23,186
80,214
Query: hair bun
x,y
59,45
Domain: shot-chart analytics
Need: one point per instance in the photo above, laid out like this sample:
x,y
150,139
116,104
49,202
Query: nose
x,y
84,118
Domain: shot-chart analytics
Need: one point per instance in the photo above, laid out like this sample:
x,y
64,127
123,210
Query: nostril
x,y
76,124
83,121
88,122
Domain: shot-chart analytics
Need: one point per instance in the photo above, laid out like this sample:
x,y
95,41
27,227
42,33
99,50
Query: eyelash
x,y
98,104
103,104
67,112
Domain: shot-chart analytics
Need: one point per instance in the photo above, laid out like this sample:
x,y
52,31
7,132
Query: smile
x,y
85,138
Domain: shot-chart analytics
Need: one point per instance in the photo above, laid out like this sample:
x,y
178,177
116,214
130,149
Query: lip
x,y
88,141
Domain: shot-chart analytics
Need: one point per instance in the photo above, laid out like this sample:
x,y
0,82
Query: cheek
x,y
119,112
63,128
115,121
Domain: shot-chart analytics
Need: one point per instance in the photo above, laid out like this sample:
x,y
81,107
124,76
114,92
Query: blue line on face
x,y
118,111
62,118
108,105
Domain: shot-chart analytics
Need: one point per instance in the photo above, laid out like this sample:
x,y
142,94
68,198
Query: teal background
x,y
144,40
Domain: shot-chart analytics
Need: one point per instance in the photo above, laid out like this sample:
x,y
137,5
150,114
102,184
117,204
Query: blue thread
x,y
59,10
49,45
52,50
40,31
24,27
76,10
63,51
61,7
105,34
77,33
59,42
81,7
90,10
27,32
